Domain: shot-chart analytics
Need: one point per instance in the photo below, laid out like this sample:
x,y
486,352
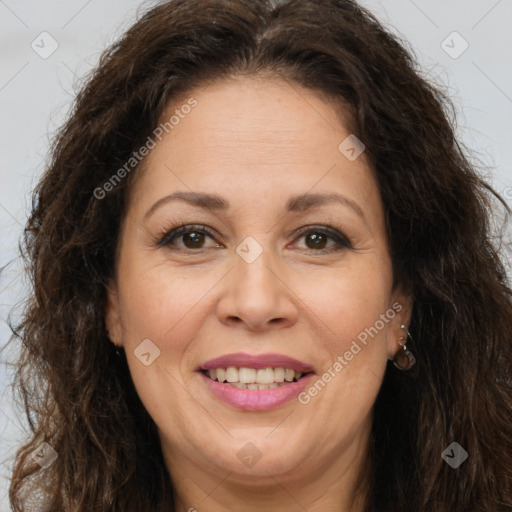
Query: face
x,y
253,241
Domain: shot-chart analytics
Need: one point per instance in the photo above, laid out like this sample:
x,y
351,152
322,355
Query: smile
x,y
255,382
252,378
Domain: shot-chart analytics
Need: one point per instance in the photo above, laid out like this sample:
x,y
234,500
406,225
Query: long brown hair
x,y
78,395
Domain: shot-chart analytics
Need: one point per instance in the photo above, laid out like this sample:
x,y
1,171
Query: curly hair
x,y
78,395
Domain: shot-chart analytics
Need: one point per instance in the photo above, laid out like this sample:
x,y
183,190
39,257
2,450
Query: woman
x,y
253,210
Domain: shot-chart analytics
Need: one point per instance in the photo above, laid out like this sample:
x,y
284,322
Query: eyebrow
x,y
300,203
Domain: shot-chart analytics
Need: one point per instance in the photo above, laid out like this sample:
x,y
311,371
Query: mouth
x,y
253,378
255,382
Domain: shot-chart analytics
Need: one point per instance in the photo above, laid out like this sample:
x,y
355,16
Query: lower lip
x,y
256,399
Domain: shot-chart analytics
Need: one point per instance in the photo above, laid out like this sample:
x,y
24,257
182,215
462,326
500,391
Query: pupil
x,y
194,238
318,240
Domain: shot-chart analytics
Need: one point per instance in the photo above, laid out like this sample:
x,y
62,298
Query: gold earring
x,y
404,359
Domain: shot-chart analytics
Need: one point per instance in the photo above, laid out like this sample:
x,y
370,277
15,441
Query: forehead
x,y
270,117
250,138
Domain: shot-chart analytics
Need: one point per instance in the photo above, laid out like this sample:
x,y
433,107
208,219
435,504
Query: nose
x,y
258,295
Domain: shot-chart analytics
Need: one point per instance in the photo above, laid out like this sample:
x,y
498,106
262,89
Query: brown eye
x,y
193,239
316,240
187,237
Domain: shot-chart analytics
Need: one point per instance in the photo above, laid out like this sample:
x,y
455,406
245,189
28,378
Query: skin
x,y
256,142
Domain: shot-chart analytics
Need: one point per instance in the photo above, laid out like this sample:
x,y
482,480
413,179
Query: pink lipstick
x,y
255,382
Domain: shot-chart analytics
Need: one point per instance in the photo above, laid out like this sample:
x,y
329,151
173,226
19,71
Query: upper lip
x,y
257,361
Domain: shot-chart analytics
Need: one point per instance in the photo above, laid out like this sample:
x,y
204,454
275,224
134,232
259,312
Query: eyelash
x,y
342,242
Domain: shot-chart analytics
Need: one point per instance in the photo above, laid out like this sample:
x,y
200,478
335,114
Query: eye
x,y
317,237
192,237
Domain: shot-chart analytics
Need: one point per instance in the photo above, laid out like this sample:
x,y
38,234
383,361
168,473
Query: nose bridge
x,y
255,263
255,294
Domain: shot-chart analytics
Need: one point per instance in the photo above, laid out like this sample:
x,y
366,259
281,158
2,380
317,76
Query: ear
x,y
112,315
401,304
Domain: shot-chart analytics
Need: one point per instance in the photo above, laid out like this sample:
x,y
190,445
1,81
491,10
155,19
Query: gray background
x,y
35,94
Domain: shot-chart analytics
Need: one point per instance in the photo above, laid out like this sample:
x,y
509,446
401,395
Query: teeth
x,y
288,375
250,378
238,385
265,376
221,374
232,374
279,375
247,375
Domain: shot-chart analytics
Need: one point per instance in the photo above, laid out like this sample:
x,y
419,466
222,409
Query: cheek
x,y
162,307
349,302
159,302
355,311
355,349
